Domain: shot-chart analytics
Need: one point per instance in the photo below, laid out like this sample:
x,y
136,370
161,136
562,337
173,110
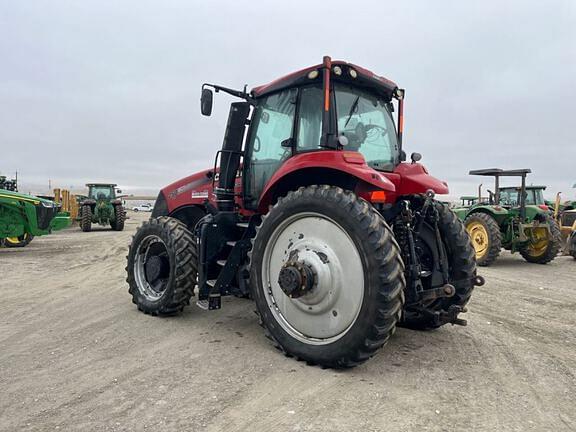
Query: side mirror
x,y
118,191
206,101
415,157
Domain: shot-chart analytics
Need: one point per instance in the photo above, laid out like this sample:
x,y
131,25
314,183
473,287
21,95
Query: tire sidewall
x,y
356,334
157,229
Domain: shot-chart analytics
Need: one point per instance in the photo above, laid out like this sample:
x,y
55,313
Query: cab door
x,y
269,142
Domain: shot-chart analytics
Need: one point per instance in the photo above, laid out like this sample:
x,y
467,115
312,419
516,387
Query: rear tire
x,y
86,218
485,236
552,248
322,217
120,216
165,288
18,242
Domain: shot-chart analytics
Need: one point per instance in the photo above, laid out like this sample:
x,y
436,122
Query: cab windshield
x,y
100,192
511,197
366,121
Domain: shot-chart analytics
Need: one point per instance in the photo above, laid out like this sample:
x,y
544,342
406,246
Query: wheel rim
x,y
480,239
16,240
325,313
539,241
152,267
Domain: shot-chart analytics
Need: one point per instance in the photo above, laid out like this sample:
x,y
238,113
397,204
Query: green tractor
x,y
515,218
24,216
102,206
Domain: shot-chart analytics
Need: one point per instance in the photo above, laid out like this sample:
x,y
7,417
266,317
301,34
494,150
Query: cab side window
x,y
272,125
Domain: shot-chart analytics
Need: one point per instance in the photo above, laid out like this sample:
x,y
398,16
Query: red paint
x,y
406,179
179,193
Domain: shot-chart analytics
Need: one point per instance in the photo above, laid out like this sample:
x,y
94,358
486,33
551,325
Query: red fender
x,y
348,162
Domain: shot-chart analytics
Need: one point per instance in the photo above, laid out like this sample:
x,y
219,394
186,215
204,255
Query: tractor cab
x,y
102,191
510,196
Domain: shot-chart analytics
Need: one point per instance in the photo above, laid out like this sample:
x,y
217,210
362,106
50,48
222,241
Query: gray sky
x,y
109,90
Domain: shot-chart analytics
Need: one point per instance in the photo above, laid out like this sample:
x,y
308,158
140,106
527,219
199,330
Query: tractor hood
x,y
17,196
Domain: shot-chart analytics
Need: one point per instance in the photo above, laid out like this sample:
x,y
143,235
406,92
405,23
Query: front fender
x,y
346,162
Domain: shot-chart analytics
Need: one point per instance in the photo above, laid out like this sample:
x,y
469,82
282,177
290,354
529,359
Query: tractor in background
x,y
310,210
10,185
101,206
515,218
565,215
24,216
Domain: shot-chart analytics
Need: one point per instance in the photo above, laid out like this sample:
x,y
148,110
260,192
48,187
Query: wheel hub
x,y
314,278
296,279
155,267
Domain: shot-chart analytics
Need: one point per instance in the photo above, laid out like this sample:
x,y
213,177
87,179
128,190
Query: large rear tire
x,y
461,264
546,245
119,218
162,266
485,236
341,243
17,242
86,218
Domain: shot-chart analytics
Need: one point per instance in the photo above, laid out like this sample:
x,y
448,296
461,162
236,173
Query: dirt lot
x,y
75,354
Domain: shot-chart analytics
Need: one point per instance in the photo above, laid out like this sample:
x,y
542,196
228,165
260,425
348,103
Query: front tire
x,y
351,255
485,236
162,266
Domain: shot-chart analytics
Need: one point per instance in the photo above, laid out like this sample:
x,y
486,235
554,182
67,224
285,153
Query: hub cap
x,y
152,267
313,278
479,237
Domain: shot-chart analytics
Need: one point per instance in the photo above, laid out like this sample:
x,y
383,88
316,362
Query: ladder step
x,y
211,282
202,304
221,263
231,243
242,224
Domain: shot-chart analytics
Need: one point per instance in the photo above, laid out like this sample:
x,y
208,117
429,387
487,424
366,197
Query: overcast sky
x,y
109,90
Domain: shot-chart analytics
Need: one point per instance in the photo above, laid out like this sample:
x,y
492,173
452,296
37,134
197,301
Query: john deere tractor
x,y
24,216
102,207
312,211
514,219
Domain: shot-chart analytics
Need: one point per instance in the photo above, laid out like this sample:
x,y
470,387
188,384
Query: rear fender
x,y
347,170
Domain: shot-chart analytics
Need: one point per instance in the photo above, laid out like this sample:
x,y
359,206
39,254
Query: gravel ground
x,y
75,354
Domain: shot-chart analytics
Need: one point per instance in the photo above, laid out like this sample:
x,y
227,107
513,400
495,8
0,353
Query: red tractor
x,y
311,211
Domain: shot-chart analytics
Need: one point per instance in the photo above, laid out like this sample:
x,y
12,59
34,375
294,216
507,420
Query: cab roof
x,y
497,172
527,187
364,78
101,184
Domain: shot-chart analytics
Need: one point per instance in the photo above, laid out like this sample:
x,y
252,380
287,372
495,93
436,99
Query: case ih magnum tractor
x,y
312,212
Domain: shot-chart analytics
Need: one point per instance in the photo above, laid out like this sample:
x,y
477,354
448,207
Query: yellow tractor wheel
x,y
544,245
485,237
21,241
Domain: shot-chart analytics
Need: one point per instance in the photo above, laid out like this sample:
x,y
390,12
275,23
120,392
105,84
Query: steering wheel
x,y
370,127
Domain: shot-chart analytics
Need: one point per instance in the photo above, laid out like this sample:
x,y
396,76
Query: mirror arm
x,y
237,93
